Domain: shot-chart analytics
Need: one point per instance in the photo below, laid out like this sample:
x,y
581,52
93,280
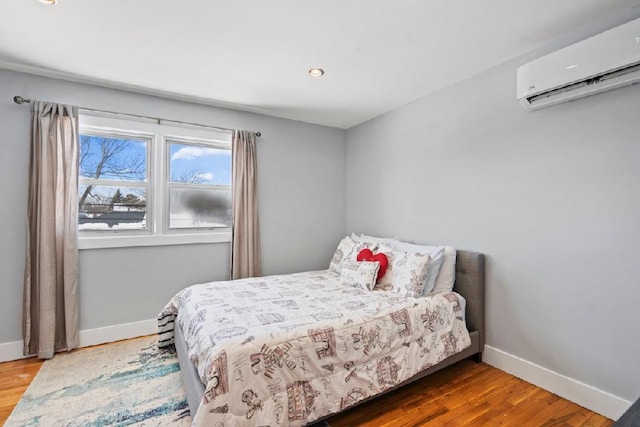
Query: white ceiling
x,y
253,55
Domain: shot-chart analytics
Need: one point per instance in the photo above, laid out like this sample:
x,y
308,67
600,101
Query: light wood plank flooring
x,y
465,394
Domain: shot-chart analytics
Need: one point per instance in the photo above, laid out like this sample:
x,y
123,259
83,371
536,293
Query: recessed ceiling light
x,y
316,72
49,2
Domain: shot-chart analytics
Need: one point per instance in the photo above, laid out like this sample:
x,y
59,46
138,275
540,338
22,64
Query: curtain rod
x,y
20,100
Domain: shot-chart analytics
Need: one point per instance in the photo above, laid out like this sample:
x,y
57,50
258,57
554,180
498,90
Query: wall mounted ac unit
x,y
603,62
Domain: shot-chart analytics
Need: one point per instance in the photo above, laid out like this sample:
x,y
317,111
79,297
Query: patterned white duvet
x,y
287,350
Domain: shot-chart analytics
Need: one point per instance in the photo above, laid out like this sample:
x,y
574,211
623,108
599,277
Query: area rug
x,y
123,384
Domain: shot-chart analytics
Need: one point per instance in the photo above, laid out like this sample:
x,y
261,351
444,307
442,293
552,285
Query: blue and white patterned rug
x,y
124,384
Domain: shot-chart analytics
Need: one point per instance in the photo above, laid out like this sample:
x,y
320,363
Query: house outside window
x,y
142,183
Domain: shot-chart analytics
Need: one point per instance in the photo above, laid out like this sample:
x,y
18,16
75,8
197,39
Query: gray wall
x,y
301,175
552,197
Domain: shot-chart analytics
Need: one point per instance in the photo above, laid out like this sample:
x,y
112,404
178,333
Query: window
x,y
144,183
199,185
113,182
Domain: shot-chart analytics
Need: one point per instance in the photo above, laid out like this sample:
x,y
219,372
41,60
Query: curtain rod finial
x,y
19,100
258,134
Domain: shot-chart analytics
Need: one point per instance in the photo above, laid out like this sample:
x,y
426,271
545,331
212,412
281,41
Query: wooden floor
x,y
15,377
469,394
465,394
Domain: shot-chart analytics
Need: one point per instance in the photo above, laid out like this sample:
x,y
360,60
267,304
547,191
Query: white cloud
x,y
191,152
208,176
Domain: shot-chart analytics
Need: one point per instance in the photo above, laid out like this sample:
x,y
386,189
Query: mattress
x,y
290,349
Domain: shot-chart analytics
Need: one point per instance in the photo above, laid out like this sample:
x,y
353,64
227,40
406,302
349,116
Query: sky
x,y
213,165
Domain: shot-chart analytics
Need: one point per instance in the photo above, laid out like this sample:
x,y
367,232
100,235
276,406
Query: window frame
x,y
147,183
168,184
157,203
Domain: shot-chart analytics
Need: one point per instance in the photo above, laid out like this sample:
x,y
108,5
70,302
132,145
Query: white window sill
x,y
120,241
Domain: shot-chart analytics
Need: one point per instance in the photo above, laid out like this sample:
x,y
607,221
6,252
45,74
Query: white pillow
x,y
360,274
347,250
344,249
447,276
371,239
437,257
406,273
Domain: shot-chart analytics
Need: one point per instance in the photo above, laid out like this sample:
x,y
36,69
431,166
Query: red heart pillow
x,y
367,255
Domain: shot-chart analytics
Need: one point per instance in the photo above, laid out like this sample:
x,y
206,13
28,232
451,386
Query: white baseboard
x,y
11,351
88,337
113,333
597,400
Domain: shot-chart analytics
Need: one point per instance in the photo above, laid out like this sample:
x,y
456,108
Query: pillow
x,y
447,276
435,252
344,249
347,250
407,272
360,274
367,255
371,239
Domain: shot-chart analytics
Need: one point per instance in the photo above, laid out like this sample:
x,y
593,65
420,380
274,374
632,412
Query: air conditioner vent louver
x,y
603,62
635,68
621,72
554,92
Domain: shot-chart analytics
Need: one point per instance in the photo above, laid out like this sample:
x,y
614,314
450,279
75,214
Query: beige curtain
x,y
245,251
50,311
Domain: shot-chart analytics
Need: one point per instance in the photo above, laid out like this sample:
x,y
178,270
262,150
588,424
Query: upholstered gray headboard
x,y
470,283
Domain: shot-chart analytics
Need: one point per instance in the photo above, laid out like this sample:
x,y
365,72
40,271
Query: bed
x,y
262,369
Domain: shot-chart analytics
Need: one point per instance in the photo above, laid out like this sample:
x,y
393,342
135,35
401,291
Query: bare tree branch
x,y
192,176
109,163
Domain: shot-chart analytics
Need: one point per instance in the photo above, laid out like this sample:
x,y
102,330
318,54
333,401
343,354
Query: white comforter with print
x,y
287,350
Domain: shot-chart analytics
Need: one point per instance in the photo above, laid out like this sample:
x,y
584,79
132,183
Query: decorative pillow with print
x,y
347,250
344,249
406,273
360,274
367,255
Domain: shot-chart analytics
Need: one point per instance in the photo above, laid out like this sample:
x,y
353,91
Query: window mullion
x,y
112,182
158,188
187,186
